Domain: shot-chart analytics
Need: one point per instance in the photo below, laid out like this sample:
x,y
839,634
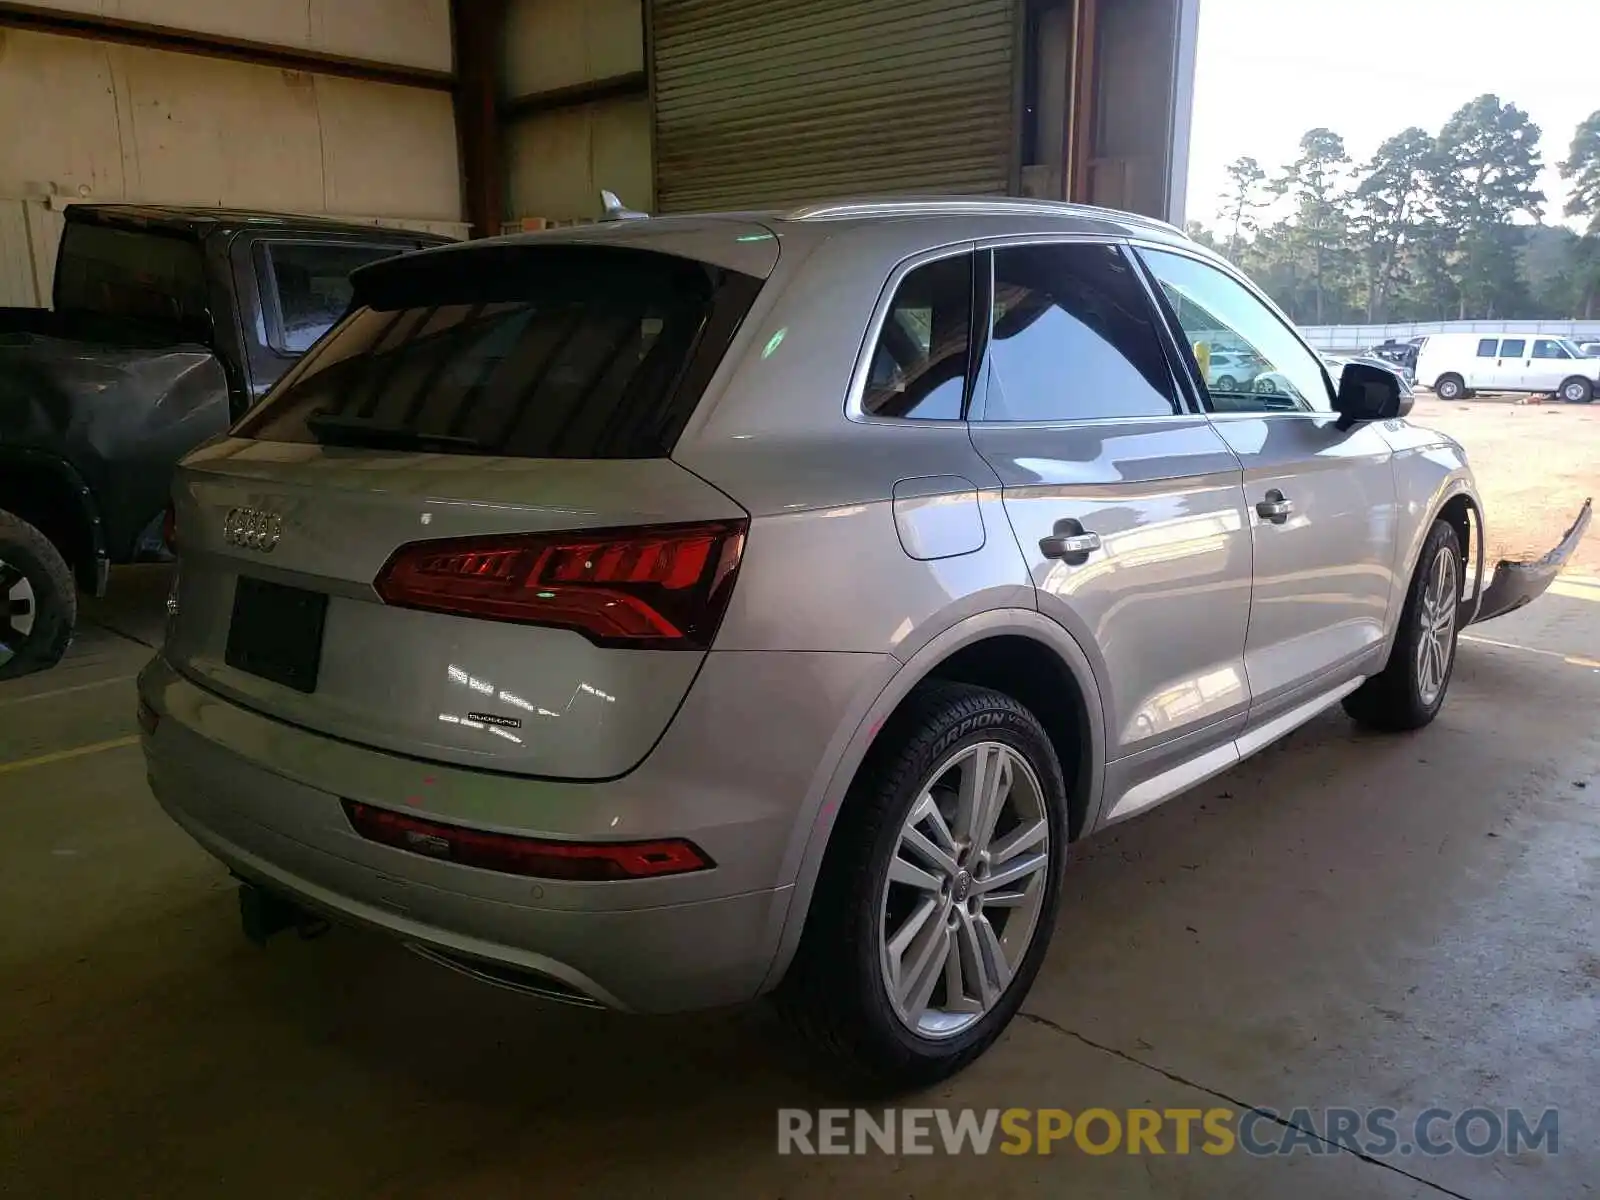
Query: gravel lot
x,y
1535,463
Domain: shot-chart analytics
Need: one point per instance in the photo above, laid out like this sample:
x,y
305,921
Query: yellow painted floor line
x,y
67,691
1576,660
43,760
1576,590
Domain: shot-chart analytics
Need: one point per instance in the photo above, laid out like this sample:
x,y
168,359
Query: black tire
x,y
1577,390
1450,387
834,993
36,627
1394,700
1227,384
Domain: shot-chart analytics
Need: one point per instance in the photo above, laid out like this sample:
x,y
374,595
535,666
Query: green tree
x,y
1582,169
1247,194
1395,202
1486,176
1317,233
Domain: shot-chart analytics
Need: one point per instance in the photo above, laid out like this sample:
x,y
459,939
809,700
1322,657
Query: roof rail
x,y
935,206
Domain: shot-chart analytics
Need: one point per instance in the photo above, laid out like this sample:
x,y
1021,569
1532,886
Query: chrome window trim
x,y
1186,418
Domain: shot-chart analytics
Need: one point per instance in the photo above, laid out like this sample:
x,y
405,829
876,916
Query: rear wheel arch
x,y
1010,651
48,493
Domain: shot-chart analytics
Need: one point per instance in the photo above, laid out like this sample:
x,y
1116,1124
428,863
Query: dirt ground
x,y
1535,463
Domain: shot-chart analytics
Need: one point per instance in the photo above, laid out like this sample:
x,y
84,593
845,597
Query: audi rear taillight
x,y
513,855
659,587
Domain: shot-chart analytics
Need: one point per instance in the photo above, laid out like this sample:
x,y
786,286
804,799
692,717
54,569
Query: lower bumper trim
x,y
503,975
1515,585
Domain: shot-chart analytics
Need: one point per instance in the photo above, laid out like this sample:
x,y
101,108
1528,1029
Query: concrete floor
x,y
1346,920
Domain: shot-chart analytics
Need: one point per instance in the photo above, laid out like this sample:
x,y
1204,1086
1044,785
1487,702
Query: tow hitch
x,y
1516,584
263,913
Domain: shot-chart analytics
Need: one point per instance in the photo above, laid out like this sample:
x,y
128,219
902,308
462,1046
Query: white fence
x,y
1362,337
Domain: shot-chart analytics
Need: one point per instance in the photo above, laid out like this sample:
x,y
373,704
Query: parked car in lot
x,y
665,613
1455,365
1229,371
1336,364
1590,349
167,324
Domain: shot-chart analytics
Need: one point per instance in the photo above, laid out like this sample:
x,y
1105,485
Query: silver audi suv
x,y
667,612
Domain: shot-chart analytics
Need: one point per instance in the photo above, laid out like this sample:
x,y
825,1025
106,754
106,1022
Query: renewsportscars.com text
x,y
1374,1132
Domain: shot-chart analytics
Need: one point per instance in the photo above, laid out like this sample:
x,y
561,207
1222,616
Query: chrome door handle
x,y
1070,543
1275,508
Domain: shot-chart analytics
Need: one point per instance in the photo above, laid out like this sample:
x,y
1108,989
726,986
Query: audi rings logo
x,y
252,529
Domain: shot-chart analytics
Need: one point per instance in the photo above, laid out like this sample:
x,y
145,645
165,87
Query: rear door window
x,y
306,288
1513,347
1489,348
540,352
1074,338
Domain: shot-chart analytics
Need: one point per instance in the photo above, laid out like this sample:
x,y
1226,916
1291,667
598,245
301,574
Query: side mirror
x,y
1367,393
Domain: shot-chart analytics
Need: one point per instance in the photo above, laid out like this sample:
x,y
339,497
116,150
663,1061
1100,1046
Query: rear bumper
x,y
1517,584
266,799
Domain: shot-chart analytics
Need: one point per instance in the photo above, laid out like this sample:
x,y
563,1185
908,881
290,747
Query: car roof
x,y
906,223
199,221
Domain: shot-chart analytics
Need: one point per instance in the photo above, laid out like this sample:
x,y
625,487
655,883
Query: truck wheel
x,y
1577,390
38,600
1450,387
938,892
1408,693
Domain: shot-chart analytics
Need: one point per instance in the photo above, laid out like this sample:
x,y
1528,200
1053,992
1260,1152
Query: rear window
x,y
530,351
154,278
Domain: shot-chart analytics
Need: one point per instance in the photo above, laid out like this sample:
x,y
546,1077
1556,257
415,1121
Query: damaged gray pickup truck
x,y
167,325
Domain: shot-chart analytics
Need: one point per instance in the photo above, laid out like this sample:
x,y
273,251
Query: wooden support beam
x,y
477,27
1082,122
615,87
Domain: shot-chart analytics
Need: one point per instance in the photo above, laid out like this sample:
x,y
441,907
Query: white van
x,y
1457,364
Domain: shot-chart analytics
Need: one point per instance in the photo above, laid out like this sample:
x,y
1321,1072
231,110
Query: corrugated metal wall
x,y
763,102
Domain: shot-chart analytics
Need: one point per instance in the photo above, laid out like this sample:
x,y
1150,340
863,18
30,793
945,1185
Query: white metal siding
x,y
553,44
764,102
108,122
558,162
415,33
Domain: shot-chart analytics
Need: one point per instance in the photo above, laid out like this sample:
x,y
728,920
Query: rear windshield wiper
x,y
331,429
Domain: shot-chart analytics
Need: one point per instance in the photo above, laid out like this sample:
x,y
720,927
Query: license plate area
x,y
275,632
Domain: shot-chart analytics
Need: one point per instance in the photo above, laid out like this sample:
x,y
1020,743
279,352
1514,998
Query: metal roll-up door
x,y
771,102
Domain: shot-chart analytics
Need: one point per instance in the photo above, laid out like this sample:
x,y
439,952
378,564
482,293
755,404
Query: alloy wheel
x,y
1437,615
18,609
965,889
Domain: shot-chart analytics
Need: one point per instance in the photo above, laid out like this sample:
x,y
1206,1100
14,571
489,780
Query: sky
x,y
1268,70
